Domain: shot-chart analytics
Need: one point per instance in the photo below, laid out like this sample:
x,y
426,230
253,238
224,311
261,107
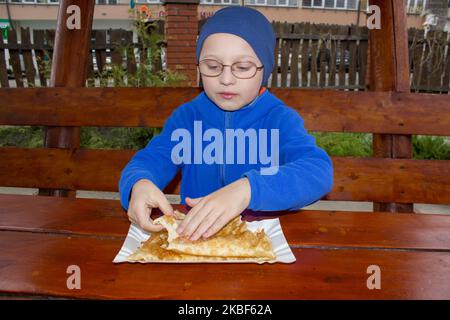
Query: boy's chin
x,y
229,106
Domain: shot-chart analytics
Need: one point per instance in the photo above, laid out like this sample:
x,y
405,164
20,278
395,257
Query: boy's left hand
x,y
211,213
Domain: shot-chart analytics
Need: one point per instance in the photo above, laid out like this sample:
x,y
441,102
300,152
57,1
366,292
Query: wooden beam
x,y
322,110
356,179
69,69
389,71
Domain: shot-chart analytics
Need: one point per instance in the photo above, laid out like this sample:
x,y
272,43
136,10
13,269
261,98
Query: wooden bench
x,y
41,236
356,179
388,110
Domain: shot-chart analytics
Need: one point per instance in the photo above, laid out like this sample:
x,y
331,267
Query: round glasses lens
x,y
244,69
210,68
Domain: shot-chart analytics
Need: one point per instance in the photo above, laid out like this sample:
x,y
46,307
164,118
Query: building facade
x,y
41,14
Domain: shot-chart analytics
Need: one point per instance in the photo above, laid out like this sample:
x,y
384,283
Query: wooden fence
x,y
30,61
306,55
324,56
340,53
430,61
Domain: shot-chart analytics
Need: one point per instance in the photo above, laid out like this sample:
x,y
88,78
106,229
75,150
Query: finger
x,y
196,221
132,220
218,225
192,202
164,205
191,213
205,225
186,225
147,225
131,216
144,221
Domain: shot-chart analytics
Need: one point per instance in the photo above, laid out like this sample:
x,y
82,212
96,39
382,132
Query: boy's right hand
x,y
145,195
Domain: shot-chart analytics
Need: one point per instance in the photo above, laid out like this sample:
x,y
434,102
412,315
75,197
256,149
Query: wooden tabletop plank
x,y
36,263
302,228
63,215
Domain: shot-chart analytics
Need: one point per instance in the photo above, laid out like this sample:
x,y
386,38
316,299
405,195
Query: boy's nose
x,y
227,76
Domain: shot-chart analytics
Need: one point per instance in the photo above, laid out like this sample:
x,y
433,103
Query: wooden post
x,y
181,31
69,69
389,71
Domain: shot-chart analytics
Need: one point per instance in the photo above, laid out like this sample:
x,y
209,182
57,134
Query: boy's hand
x,y
146,195
211,213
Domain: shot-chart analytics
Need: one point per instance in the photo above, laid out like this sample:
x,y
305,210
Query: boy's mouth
x,y
227,95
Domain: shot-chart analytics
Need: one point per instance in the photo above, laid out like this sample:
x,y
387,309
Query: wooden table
x,y
41,236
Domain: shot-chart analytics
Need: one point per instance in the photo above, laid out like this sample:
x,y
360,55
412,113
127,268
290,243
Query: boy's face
x,y
228,48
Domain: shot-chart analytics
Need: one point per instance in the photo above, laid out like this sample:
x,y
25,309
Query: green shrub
x,y
335,144
117,138
431,148
22,137
345,144
360,145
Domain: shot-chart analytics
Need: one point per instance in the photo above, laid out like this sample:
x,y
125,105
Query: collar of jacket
x,y
242,118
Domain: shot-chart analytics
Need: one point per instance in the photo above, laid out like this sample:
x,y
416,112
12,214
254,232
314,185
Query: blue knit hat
x,y
250,25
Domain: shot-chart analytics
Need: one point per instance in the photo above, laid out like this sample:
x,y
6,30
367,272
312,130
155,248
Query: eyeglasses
x,y
241,70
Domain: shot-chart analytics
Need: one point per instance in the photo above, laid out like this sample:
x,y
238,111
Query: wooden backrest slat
x,y
356,179
323,110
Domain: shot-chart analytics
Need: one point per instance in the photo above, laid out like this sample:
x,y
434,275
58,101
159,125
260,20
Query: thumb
x,y
193,201
164,205
144,221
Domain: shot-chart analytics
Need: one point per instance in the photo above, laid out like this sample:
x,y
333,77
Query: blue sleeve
x,y
153,162
304,176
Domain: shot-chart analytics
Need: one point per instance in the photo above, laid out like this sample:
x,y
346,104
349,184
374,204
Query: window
x,y
106,1
340,4
416,6
148,1
331,4
57,1
274,3
33,1
352,4
222,2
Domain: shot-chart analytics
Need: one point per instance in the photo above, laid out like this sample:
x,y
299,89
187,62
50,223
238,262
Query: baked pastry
x,y
231,243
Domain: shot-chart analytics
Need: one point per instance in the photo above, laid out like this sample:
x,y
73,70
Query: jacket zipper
x,y
222,168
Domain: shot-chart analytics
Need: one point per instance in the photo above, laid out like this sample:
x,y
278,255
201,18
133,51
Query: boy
x,y
280,168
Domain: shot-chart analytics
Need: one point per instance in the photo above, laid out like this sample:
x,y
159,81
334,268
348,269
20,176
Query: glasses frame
x,y
231,69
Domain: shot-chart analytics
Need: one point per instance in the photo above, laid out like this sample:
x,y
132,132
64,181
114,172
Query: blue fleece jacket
x,y
305,171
